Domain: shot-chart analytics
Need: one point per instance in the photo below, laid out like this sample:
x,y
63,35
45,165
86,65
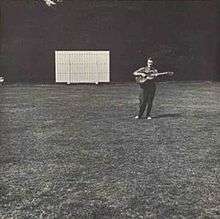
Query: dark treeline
x,y
181,35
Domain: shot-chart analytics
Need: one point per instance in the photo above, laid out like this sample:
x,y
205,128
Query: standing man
x,y
148,87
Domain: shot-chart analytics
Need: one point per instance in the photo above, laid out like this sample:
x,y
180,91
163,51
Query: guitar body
x,y
142,80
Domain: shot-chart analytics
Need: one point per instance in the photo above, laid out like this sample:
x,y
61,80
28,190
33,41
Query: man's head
x,y
150,62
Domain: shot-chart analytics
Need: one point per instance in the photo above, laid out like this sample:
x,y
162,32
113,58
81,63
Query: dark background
x,y
182,36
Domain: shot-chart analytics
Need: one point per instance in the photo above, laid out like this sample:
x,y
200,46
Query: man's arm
x,y
139,72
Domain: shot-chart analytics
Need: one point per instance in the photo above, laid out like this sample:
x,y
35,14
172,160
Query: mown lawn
x,y
76,152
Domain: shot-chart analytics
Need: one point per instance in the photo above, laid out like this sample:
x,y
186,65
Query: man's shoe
x,y
137,117
148,117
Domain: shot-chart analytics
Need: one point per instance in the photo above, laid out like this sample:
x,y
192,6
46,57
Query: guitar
x,y
149,76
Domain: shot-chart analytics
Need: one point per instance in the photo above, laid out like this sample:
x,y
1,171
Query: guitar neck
x,y
161,73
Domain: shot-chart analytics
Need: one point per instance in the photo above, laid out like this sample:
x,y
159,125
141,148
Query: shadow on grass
x,y
168,115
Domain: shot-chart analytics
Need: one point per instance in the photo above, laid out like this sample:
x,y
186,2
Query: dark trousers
x,y
146,97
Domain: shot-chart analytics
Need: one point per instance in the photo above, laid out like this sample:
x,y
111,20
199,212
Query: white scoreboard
x,y
82,66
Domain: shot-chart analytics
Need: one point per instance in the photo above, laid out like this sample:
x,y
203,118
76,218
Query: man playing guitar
x,y
145,77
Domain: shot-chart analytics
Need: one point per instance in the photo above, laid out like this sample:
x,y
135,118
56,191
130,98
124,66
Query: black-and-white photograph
x,y
109,109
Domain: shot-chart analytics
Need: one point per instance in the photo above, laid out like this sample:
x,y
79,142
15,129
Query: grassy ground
x,y
76,152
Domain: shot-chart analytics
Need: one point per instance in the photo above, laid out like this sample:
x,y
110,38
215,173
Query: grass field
x,y
76,152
